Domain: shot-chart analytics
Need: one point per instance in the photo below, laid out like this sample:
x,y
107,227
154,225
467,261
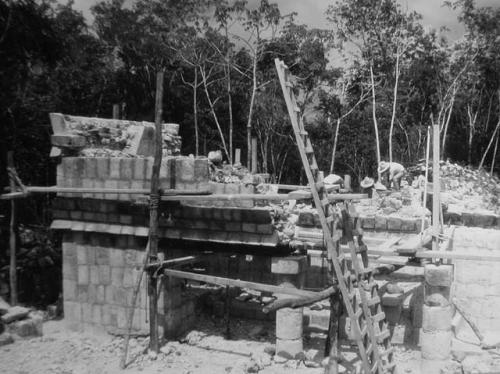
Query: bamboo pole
x,y
436,201
12,239
153,216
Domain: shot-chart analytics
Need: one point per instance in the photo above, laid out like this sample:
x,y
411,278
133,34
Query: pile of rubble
x,y
99,137
18,321
469,190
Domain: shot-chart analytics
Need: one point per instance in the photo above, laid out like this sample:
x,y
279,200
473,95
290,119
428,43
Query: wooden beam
x,y
436,201
297,303
269,197
154,215
262,287
173,262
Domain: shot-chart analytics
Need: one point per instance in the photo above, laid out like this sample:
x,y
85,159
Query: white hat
x,y
367,182
383,166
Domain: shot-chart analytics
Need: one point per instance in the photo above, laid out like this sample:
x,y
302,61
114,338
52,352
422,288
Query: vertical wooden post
x,y
153,216
347,182
436,187
254,155
12,239
116,111
237,156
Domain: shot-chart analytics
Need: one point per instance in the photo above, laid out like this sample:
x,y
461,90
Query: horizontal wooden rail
x,y
239,283
269,197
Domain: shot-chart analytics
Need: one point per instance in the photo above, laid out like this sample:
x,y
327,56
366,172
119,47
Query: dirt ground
x,y
205,350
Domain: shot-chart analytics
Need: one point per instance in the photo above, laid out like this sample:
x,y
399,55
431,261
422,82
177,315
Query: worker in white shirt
x,y
393,170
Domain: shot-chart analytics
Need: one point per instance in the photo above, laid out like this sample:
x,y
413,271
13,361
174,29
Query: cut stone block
x,y
288,265
441,275
289,323
31,326
435,345
437,318
15,313
141,141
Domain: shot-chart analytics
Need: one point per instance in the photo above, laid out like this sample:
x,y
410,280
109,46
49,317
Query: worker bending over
x,y
394,171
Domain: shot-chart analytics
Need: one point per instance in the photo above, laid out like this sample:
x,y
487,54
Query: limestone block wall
x,y
100,272
477,283
179,172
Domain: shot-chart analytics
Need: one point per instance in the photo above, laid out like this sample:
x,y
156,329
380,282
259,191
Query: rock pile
x,y
469,189
18,321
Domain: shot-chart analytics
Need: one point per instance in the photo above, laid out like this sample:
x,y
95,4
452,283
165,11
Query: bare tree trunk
x,y
195,112
230,104
494,155
497,128
374,114
394,102
334,150
250,114
446,124
472,127
212,110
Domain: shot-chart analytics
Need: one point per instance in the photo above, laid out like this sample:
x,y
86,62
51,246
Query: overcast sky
x,y
312,12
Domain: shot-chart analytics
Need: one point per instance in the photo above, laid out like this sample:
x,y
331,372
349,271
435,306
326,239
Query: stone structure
x,y
290,272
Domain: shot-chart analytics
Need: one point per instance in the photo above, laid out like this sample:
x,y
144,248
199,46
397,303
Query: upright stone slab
x,y
291,273
436,334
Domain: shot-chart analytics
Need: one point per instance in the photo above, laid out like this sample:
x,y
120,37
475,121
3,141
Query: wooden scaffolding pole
x,y
153,216
436,184
12,239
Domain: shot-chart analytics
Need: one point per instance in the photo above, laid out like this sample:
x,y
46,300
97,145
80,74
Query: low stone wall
x,y
477,283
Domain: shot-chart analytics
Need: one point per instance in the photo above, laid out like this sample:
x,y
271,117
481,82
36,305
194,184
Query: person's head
x,y
383,167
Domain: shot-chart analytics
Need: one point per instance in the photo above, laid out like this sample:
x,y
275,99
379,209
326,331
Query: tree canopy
x,y
218,58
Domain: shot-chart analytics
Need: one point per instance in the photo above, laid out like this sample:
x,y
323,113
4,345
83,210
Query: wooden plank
x,y
262,287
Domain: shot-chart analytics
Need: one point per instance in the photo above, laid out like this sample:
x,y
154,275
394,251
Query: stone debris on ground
x,y
469,190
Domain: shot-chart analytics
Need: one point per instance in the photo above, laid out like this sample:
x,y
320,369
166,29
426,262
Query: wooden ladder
x,y
357,286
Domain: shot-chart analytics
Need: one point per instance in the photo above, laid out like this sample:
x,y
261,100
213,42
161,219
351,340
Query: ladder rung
x,y
309,149
363,332
358,313
373,301
378,317
289,84
320,185
296,109
330,219
382,336
303,133
374,368
340,258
